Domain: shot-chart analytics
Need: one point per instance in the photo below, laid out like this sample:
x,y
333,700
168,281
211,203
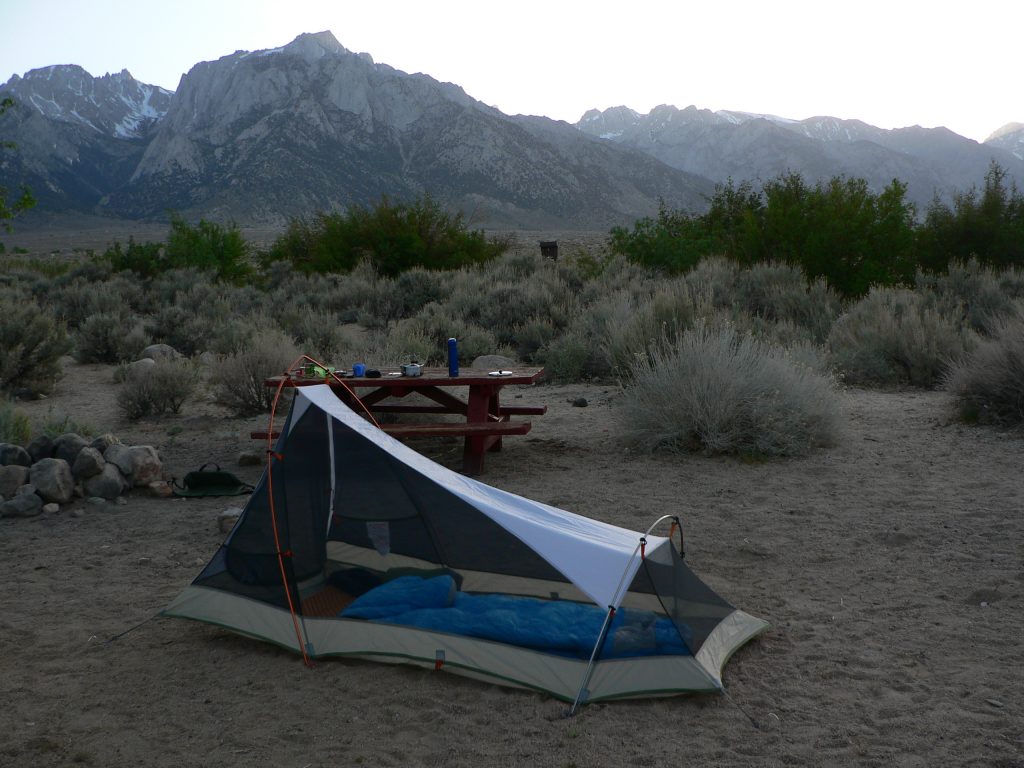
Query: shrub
x,y
14,424
716,391
57,424
393,236
144,259
987,384
31,344
238,378
892,337
158,389
208,246
109,338
980,296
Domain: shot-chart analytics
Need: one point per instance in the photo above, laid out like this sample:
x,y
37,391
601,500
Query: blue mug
x,y
358,369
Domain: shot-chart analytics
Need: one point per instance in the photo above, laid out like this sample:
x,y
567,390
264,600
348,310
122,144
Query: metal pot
x,y
412,369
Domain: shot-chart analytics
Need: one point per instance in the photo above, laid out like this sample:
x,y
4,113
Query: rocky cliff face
x,y
743,146
312,126
1010,138
77,136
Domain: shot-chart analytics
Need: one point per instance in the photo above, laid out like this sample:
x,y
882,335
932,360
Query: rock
x,y
67,447
579,402
226,520
96,501
89,462
14,455
161,489
22,505
26,490
53,480
78,512
251,458
121,501
121,456
494,363
146,465
12,478
140,368
103,442
160,352
40,448
207,359
51,508
108,484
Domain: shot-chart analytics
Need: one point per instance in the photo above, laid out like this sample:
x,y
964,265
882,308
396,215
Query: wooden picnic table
x,y
486,419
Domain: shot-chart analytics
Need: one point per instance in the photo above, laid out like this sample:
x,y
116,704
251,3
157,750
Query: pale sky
x,y
892,64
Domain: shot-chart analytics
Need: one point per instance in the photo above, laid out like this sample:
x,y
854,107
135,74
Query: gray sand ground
x,y
890,567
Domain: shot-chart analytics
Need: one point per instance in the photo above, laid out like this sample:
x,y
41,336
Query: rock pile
x,y
54,471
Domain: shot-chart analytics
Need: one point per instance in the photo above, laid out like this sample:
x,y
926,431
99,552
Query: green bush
x,y
208,246
111,337
31,345
891,337
394,237
146,260
717,391
987,384
14,424
237,379
836,230
158,389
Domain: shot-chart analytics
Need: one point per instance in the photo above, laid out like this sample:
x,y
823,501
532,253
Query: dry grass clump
x,y
237,379
988,385
158,389
721,392
14,424
892,337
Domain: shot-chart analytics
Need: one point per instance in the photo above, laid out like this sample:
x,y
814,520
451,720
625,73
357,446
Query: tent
x,y
355,545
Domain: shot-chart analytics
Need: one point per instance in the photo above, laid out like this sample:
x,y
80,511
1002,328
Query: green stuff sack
x,y
211,482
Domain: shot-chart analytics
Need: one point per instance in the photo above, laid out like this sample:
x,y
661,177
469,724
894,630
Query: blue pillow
x,y
406,593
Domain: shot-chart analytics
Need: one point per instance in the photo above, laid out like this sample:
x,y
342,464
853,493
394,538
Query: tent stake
x,y
593,660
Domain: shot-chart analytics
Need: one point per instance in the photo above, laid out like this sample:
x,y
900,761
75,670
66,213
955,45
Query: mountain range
x,y
259,137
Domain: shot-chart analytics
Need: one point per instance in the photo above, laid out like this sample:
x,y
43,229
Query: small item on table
x,y
412,369
453,358
358,369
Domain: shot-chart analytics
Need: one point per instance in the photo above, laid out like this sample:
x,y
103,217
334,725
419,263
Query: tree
x,y
8,210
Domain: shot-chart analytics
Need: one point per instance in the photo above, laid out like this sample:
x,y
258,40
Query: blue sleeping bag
x,y
557,626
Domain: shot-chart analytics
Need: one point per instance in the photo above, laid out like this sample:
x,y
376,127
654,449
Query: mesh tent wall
x,y
340,496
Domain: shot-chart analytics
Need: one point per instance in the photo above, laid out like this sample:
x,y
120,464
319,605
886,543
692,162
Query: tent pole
x,y
593,660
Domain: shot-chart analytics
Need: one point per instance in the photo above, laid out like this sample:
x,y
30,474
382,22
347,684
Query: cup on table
x,y
358,369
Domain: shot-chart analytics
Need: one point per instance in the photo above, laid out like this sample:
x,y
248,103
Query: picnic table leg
x,y
478,411
494,410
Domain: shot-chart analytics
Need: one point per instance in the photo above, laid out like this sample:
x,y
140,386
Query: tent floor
x,y
328,602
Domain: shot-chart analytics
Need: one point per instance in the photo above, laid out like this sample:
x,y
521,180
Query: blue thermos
x,y
453,358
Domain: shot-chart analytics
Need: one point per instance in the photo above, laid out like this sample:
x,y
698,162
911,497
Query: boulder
x,y
67,447
140,368
51,508
22,505
103,442
108,484
53,480
146,465
12,478
160,352
89,462
40,448
140,464
11,454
